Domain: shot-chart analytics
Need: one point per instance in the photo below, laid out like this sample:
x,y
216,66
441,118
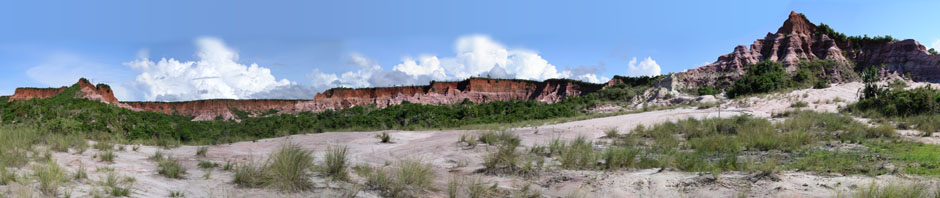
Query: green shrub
x,y
384,137
762,77
707,90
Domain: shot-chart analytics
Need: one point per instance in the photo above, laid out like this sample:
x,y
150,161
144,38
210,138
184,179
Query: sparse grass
x,y
384,137
336,162
799,104
171,168
176,194
6,177
62,143
611,133
477,188
50,177
16,142
107,156
619,157
80,174
157,156
104,146
288,169
410,176
117,185
415,173
496,138
894,190
453,186
578,154
208,165
202,150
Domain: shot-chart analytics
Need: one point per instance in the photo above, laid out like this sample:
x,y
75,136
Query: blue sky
x,y
300,47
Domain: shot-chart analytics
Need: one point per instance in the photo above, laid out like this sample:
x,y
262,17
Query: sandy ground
x,y
439,148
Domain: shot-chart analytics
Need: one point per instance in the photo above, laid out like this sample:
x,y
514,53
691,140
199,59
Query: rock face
x,y
473,89
800,40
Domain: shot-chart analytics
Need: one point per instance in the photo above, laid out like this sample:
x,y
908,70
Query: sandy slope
x,y
440,149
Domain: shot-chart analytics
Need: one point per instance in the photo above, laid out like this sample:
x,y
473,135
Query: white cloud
x,y
935,45
647,67
476,55
217,74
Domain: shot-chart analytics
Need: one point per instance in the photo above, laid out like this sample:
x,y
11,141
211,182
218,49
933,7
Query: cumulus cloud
x,y
216,74
475,55
646,67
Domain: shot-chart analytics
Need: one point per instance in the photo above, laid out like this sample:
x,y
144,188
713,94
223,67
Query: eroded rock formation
x,y
798,40
473,89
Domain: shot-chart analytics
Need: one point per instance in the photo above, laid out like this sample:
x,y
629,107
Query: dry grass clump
x,y
900,190
202,150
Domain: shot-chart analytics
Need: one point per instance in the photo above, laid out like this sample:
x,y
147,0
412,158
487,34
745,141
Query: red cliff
x,y
473,89
101,92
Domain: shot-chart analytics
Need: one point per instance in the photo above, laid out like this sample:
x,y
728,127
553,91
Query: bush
x,y
762,77
384,137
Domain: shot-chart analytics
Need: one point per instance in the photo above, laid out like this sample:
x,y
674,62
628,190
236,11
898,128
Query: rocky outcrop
x,y
799,40
26,93
474,89
86,90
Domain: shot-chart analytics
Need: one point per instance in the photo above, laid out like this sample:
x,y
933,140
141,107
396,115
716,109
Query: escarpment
x,y
474,89
799,40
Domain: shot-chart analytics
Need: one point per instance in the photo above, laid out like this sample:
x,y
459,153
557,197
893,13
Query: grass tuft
x,y
171,168
336,162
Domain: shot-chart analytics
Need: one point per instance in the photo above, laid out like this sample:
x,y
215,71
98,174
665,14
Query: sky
x,y
189,50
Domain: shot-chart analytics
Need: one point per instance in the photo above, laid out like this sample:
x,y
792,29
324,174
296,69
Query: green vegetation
x,y
171,168
409,177
287,170
202,150
79,118
384,137
905,190
768,76
805,140
856,42
335,163
50,177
